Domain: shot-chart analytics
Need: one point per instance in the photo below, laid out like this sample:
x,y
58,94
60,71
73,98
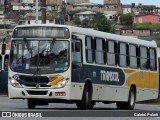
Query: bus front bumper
x,y
39,93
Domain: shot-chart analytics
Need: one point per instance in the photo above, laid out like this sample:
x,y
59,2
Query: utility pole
x,y
37,12
5,6
63,12
43,7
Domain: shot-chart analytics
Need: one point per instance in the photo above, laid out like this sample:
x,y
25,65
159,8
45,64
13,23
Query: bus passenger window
x,y
6,59
76,55
111,53
143,58
100,51
89,49
122,54
133,53
152,54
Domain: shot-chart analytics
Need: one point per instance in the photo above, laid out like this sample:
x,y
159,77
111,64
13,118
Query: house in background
x,y
135,32
148,9
152,18
112,6
76,1
85,15
1,7
157,10
88,6
29,18
126,9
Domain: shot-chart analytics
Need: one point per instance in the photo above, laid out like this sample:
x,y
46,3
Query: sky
x,y
144,2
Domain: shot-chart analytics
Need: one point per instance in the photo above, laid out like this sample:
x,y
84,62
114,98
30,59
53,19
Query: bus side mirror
x,y
3,48
77,46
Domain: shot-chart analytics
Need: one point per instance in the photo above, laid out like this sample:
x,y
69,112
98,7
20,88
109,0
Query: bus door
x,y
4,75
77,61
0,69
1,85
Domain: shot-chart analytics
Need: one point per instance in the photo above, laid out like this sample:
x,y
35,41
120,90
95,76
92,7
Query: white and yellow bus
x,y
66,64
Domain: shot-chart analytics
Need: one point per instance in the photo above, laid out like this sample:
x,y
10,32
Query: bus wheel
x,y
131,101
31,104
86,102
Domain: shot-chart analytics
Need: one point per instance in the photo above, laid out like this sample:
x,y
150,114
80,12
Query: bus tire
x,y
86,102
131,101
31,104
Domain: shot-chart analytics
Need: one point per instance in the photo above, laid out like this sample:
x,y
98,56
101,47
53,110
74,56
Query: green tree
x,y
86,21
101,23
126,19
52,13
77,20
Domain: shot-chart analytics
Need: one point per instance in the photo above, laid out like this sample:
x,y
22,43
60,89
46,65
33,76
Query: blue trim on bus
x,y
99,75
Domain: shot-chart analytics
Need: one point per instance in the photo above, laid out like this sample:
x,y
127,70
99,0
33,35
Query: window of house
x,y
111,53
122,54
143,58
133,53
140,20
152,54
89,49
100,51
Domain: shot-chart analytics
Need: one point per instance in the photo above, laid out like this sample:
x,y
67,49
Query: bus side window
x,y
152,54
76,55
133,56
143,58
111,53
123,54
100,51
6,59
89,49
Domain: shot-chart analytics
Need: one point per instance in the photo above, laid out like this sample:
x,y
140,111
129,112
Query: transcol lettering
x,y
109,76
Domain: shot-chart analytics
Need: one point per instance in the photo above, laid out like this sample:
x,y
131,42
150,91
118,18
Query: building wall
x,y
82,17
112,5
53,2
147,18
33,22
1,2
77,1
126,10
131,32
111,1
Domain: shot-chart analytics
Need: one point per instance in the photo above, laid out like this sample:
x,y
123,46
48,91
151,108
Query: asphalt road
x,y
7,104
62,109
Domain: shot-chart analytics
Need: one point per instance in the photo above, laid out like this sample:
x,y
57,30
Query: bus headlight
x,y
60,84
14,83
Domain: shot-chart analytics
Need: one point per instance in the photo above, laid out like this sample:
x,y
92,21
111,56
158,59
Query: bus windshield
x,y
39,56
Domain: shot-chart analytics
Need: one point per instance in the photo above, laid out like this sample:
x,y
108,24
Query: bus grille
x,y
36,92
32,81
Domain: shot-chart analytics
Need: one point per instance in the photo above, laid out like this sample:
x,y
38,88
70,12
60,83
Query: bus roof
x,y
95,33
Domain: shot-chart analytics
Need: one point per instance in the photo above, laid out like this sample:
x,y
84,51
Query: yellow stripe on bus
x,y
129,71
143,80
56,79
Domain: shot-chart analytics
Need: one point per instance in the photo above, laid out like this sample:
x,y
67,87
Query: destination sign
x,y
41,32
